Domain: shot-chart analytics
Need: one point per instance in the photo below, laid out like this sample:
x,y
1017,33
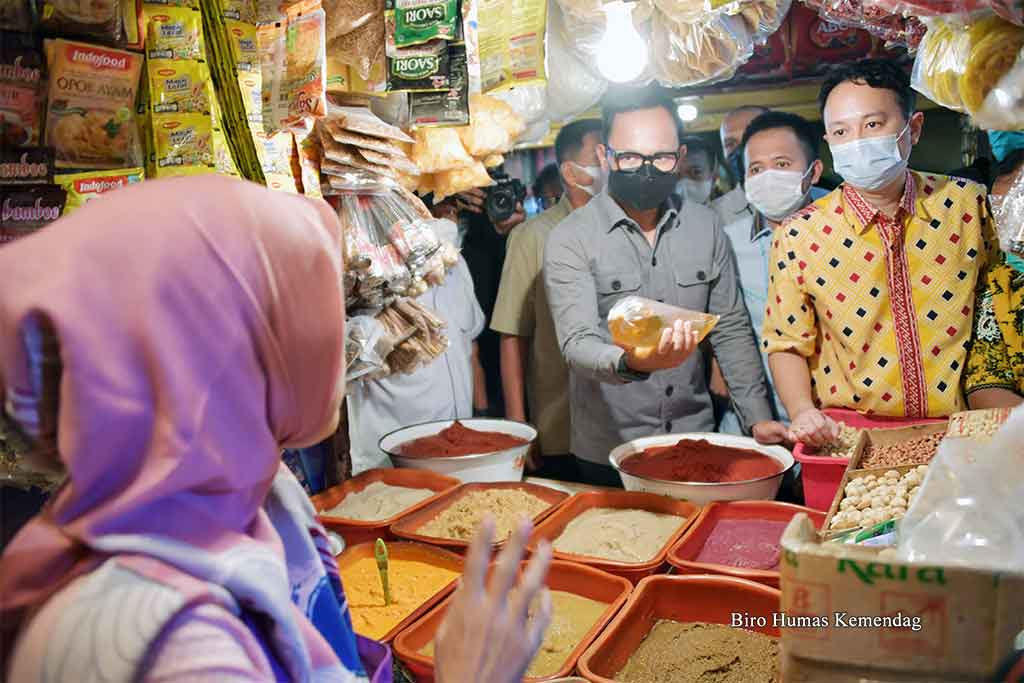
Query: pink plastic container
x,y
821,475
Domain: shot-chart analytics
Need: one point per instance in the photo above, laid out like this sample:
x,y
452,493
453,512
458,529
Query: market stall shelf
x,y
684,599
569,577
411,526
821,474
501,465
699,493
356,531
685,556
398,552
555,525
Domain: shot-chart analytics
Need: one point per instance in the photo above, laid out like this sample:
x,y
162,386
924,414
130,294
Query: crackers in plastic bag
x,y
439,149
91,119
493,128
447,183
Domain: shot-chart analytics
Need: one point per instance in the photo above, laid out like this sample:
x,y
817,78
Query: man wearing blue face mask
x,y
871,295
532,369
635,239
779,157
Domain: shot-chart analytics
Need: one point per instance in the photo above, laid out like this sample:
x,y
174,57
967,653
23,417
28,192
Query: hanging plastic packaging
x,y
690,54
1008,213
1003,108
573,88
956,509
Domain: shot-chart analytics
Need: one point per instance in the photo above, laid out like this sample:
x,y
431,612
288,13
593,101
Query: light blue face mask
x,y
1015,262
1004,142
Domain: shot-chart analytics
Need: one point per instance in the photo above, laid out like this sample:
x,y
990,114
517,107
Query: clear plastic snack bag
x,y
684,54
637,323
1003,108
367,346
1008,212
962,504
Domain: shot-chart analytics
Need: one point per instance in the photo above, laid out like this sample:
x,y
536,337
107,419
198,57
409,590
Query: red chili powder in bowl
x,y
457,440
701,461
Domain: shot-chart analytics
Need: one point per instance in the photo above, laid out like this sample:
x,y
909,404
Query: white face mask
x,y
596,174
696,191
777,193
870,163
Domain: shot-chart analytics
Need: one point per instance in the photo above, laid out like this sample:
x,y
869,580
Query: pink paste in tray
x,y
744,543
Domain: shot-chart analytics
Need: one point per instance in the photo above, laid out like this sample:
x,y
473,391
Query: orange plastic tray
x,y
356,531
408,527
563,576
709,599
555,524
414,552
683,556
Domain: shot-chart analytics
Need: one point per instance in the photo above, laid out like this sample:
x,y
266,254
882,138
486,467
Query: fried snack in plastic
x,y
493,128
182,86
345,16
91,119
995,47
174,33
439,149
447,183
183,144
637,323
82,188
362,48
687,54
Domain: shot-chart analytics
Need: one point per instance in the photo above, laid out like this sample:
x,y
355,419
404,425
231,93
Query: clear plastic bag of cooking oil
x,y
637,323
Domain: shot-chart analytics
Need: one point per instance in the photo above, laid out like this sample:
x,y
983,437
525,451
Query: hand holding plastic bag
x,y
966,503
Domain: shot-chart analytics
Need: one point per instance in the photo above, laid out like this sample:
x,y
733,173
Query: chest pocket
x,y
613,286
693,288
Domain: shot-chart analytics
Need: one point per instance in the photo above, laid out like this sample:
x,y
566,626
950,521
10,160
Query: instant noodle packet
x,y
179,86
174,33
82,188
91,117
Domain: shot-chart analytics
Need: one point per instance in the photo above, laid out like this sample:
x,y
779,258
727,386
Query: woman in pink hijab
x,y
162,345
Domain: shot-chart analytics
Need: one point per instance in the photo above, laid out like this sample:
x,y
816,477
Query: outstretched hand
x,y
676,345
488,633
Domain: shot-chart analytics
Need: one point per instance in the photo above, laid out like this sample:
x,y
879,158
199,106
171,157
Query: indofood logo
x,y
100,185
99,59
417,67
420,17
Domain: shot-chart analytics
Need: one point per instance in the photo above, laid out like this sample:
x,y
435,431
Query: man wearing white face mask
x,y
871,295
779,156
697,171
532,367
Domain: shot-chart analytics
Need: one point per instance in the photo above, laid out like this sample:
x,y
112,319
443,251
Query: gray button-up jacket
x,y
598,255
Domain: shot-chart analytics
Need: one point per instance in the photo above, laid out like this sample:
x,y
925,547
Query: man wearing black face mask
x,y
635,239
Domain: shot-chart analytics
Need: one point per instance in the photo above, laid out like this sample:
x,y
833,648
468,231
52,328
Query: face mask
x,y
777,193
870,163
1003,143
696,191
645,189
596,175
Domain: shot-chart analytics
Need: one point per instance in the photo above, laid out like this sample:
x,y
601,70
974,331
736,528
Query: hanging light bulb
x,y
622,52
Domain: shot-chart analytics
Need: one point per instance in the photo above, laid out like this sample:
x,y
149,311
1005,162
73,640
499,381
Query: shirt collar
x,y
616,217
759,228
865,214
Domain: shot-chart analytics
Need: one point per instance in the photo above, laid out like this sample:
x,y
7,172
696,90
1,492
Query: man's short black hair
x,y
548,175
698,145
622,100
569,140
878,73
800,126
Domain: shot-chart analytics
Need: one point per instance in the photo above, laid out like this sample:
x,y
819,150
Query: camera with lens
x,y
503,196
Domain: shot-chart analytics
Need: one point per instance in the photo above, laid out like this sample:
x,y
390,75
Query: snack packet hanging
x,y
363,121
424,68
99,20
362,48
21,91
1003,108
414,22
183,144
294,62
439,149
1008,213
493,128
91,107
448,107
511,42
179,86
82,188
637,323
174,33
244,45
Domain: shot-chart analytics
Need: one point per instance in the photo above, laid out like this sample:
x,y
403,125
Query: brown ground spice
x,y
675,652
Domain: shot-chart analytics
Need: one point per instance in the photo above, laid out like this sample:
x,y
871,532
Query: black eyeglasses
x,y
632,162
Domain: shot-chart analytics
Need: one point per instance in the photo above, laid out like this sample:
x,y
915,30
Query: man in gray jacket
x,y
636,239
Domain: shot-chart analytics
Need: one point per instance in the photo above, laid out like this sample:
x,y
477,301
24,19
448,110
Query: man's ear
x,y
818,169
916,126
568,173
602,156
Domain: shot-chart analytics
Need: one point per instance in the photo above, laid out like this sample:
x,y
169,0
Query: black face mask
x,y
645,189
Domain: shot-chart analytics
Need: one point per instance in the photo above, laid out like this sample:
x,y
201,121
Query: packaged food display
x,y
174,33
361,48
345,16
21,91
293,63
183,144
26,166
99,20
413,22
179,86
91,105
24,209
82,188
689,54
635,322
511,36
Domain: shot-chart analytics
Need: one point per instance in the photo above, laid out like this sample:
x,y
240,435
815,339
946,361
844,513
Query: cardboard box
x,y
851,605
795,670
886,437
827,531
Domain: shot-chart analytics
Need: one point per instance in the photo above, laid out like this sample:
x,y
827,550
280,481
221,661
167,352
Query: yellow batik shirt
x,y
882,308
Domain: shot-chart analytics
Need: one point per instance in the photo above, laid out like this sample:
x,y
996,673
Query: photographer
x,y
486,216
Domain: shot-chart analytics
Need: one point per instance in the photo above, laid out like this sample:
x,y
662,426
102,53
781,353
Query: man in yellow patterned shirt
x,y
871,294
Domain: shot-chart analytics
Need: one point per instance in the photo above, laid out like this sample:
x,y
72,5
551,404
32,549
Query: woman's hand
x,y
814,428
487,634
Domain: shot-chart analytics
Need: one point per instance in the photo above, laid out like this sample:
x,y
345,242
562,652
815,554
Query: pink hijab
x,y
200,326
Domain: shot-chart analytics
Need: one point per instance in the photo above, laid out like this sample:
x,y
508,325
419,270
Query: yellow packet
x,y
223,160
182,141
511,38
243,44
174,33
85,187
239,10
177,86
251,86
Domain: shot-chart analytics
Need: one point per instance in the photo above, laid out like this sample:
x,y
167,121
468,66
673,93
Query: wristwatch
x,y
629,374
